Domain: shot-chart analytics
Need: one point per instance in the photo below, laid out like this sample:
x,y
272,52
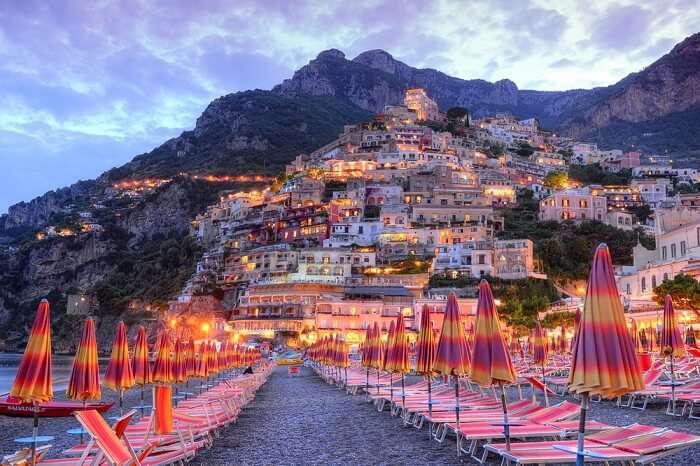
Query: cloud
x,y
622,28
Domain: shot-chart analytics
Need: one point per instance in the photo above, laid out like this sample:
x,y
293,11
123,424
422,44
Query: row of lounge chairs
x,y
196,421
540,434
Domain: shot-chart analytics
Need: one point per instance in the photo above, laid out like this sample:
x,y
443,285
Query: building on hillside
x,y
577,204
652,191
425,107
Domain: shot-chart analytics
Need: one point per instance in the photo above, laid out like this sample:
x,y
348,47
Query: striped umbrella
x,y
119,375
190,369
33,382
141,364
180,361
577,323
202,369
491,362
400,363
367,355
162,365
84,381
690,336
634,334
425,352
540,356
388,361
451,356
376,351
604,361
562,340
213,358
671,344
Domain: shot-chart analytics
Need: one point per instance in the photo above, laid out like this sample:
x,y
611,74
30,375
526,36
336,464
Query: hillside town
x,y
354,232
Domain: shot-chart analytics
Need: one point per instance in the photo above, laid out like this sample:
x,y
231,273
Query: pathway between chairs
x,y
303,421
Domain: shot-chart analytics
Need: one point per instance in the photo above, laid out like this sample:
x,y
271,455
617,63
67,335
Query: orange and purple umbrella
x,y
634,333
399,355
119,375
162,365
540,356
604,360
140,363
33,382
190,368
180,361
425,348
452,356
491,363
671,344
84,381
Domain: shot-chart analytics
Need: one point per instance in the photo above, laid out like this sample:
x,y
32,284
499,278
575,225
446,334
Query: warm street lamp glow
x,y
173,323
205,327
497,302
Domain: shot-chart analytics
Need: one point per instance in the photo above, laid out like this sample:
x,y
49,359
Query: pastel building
x,y
425,107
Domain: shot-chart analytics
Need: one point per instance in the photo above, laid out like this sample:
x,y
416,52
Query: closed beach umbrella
x,y
491,363
162,365
690,336
376,351
634,334
604,360
425,352
562,340
190,369
141,364
33,383
367,355
643,338
671,344
577,322
539,356
202,361
400,363
451,356
388,362
33,380
180,362
84,381
119,375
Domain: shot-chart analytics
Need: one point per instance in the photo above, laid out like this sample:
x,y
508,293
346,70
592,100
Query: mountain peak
x,y
379,59
330,53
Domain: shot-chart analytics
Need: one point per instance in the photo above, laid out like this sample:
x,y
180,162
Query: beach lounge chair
x,y
24,456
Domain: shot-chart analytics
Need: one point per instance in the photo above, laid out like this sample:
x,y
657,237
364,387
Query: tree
x,y
458,113
557,180
559,319
684,291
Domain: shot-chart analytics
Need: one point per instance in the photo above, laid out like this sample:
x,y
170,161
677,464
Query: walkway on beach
x,y
304,421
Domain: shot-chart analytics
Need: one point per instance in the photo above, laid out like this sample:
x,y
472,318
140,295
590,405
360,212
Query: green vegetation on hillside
x,y
566,249
594,174
684,290
154,272
252,131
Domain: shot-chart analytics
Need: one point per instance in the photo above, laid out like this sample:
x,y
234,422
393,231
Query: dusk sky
x,y
86,85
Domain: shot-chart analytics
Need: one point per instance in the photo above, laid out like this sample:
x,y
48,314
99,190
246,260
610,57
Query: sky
x,y
87,85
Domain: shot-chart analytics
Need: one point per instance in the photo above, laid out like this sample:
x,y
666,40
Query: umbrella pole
x,y
367,382
459,452
121,402
673,389
581,429
142,407
403,398
544,383
346,377
506,426
377,381
430,404
35,432
391,388
81,427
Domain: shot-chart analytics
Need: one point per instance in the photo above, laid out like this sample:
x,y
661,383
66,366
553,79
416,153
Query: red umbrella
x,y
119,376
671,345
33,382
425,352
540,356
162,365
634,334
451,356
491,362
84,381
388,358
141,364
604,360
367,355
399,355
